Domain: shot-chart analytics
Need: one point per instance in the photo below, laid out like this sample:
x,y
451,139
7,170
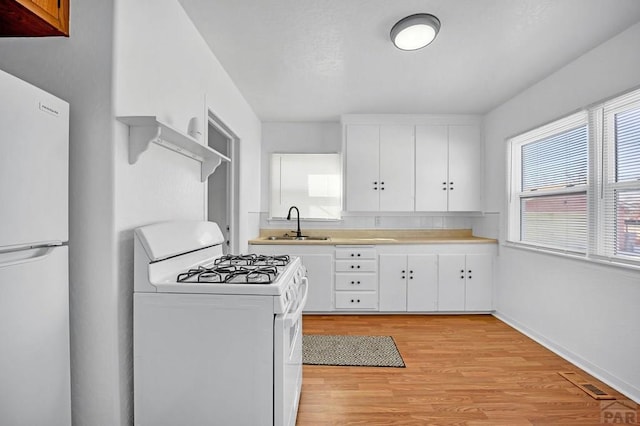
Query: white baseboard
x,y
618,384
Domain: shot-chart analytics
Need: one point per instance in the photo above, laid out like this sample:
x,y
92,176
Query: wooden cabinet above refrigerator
x,y
34,18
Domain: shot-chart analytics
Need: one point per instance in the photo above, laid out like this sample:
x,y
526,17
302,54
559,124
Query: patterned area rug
x,y
365,351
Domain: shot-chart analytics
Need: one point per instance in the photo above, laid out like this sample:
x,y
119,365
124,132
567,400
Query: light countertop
x,y
372,237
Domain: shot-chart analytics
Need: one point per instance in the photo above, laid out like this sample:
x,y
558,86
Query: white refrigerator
x,y
34,267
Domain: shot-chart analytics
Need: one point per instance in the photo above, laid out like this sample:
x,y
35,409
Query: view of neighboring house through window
x,y
621,187
549,186
575,183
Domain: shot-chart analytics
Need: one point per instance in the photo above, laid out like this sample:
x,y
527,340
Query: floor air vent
x,y
588,387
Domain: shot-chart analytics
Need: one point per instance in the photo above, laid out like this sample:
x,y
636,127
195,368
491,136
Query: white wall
x,y
79,70
127,58
589,313
164,68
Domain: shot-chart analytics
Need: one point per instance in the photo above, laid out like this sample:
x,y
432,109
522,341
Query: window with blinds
x,y
621,181
575,183
549,188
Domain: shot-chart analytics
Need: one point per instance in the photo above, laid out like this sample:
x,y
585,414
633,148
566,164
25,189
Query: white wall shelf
x,y
143,130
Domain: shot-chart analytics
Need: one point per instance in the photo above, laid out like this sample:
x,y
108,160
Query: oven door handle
x,y
298,312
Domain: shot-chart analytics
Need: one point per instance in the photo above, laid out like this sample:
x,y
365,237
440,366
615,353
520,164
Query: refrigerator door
x,y
34,160
34,334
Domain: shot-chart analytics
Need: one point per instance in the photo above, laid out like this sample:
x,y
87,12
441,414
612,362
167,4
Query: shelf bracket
x,y
140,137
208,167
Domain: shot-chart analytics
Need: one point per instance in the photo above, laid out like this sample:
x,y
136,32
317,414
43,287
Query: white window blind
x,y
620,195
549,186
575,184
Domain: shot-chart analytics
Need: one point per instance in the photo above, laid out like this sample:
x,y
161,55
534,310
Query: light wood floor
x,y
460,370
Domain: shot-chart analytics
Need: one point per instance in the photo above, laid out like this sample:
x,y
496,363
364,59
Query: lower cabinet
x,y
319,263
408,282
395,278
356,278
465,282
319,274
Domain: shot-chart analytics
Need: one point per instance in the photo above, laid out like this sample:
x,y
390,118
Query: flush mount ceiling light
x,y
415,31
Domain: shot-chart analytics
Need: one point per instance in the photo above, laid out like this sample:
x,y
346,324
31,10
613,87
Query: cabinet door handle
x,y
359,256
462,271
462,277
410,277
358,266
403,277
469,276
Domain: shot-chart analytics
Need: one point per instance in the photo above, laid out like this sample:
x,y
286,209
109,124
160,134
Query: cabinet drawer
x,y
357,300
356,253
355,265
356,282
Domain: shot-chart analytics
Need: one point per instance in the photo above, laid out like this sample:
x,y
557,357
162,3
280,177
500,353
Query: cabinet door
x,y
479,288
393,282
363,154
319,274
422,282
431,168
464,169
396,168
34,18
451,282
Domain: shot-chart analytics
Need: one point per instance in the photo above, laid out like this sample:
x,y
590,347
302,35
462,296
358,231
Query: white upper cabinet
x,y
380,168
465,178
396,168
432,168
363,158
448,176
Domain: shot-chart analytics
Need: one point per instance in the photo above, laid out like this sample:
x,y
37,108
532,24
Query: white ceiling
x,y
313,60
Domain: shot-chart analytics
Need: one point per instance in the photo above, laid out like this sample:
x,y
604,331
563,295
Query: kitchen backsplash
x,y
483,225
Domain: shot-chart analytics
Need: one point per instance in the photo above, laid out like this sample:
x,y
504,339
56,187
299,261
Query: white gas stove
x,y
217,338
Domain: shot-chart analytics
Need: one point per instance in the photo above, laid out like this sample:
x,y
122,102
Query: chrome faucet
x,y
298,232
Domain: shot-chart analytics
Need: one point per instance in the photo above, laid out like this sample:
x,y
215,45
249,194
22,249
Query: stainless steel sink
x,y
301,238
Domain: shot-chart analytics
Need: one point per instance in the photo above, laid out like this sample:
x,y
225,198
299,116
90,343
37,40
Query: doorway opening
x,y
222,185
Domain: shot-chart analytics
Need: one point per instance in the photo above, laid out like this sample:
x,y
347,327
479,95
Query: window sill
x,y
613,263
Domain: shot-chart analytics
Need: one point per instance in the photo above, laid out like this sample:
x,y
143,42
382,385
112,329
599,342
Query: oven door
x,y
287,361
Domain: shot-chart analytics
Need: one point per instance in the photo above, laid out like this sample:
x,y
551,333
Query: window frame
x,y
605,143
601,182
516,195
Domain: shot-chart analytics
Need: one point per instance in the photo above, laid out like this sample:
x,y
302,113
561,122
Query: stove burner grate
x,y
237,269
253,259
